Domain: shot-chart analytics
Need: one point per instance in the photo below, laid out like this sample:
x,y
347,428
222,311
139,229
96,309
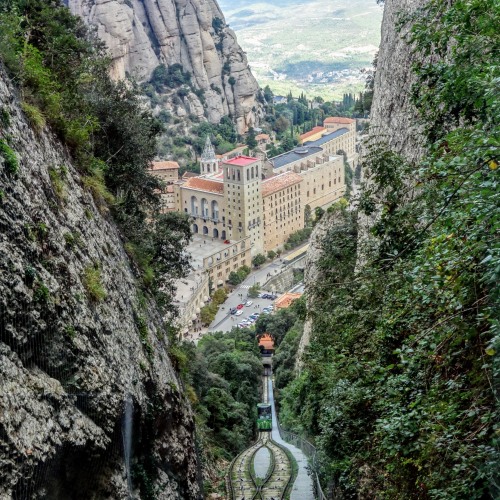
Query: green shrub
x,y
42,231
92,282
72,239
41,293
29,275
10,161
58,179
4,118
34,116
70,331
142,326
96,185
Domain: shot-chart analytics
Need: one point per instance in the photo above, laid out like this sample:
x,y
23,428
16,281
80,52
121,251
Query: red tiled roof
x,y
314,131
339,119
203,184
279,182
188,175
262,137
164,165
241,161
266,341
285,300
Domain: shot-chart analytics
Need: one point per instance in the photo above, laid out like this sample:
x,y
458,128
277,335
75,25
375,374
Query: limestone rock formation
x,y
142,34
312,276
82,382
393,119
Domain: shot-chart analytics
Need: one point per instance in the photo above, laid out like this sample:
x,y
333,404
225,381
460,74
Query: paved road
x,y
303,485
223,321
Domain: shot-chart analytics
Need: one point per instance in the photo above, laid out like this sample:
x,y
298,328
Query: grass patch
x,y
4,118
95,182
10,160
35,117
72,239
58,177
92,282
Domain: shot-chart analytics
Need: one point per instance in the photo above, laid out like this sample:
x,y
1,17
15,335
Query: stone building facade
x,y
282,209
168,173
254,204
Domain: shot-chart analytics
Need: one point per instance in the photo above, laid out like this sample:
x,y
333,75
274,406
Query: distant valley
x,y
320,47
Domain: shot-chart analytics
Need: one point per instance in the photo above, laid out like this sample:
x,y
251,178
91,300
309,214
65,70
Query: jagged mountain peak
x,y
142,34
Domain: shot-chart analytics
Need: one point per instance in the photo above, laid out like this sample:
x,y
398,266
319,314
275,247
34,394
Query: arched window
x,y
195,229
194,205
216,233
215,210
204,207
248,174
239,175
253,173
257,171
205,230
223,235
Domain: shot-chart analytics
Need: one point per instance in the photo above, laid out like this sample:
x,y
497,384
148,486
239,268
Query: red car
x,y
227,242
240,306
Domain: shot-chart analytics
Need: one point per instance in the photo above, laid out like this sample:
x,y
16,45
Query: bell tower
x,y
209,162
242,190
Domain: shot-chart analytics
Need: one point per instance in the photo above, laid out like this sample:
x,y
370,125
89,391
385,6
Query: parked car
x,y
239,313
240,306
248,303
233,310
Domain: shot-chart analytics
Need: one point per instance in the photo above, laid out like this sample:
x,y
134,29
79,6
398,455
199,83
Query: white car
x,y
239,313
248,303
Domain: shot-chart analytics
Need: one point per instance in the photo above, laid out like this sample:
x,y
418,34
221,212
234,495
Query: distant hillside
x,y
316,46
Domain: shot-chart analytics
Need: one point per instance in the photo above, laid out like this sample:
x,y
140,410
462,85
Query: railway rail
x,y
242,481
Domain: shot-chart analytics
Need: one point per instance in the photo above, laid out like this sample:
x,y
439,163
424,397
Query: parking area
x,y
246,310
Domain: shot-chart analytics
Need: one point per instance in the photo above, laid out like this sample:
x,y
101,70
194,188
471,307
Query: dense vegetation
x,y
62,73
223,373
399,388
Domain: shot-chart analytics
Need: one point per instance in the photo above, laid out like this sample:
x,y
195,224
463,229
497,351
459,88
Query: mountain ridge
x,y
141,35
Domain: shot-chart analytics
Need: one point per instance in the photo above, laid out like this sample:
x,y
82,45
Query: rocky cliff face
x,y
393,119
84,383
311,276
142,34
393,122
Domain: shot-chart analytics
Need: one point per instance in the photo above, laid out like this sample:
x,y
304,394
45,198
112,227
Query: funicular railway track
x,y
242,481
